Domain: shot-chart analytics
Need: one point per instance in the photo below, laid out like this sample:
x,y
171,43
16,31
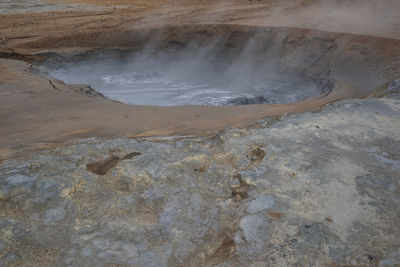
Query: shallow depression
x,y
182,76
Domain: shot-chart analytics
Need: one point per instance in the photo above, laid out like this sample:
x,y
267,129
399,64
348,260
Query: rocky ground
x,y
317,189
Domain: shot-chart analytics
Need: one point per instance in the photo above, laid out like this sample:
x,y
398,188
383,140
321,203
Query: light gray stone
x,y
262,202
326,195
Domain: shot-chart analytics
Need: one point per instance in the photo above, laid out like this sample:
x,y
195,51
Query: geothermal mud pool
x,y
220,65
191,76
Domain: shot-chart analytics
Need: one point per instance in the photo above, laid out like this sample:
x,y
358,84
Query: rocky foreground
x,y
320,188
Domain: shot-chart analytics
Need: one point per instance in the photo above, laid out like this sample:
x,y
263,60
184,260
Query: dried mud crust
x,y
102,167
270,194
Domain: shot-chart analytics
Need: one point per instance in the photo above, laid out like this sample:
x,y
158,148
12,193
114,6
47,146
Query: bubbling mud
x,y
185,76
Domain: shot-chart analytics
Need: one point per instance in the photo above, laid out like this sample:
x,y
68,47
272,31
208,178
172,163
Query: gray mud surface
x,y
191,75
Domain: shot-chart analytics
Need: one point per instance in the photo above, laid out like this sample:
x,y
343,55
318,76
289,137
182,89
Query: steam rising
x,y
185,75
372,17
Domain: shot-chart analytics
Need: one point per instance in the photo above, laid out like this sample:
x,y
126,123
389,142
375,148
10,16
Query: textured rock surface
x,y
316,189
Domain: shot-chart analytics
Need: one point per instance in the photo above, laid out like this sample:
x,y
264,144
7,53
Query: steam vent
x,y
200,133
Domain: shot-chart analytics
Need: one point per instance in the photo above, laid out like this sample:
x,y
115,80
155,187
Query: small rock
x,y
254,229
262,202
235,182
2,246
54,215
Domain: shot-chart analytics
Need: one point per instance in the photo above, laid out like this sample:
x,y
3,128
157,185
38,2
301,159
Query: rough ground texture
x,y
317,189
